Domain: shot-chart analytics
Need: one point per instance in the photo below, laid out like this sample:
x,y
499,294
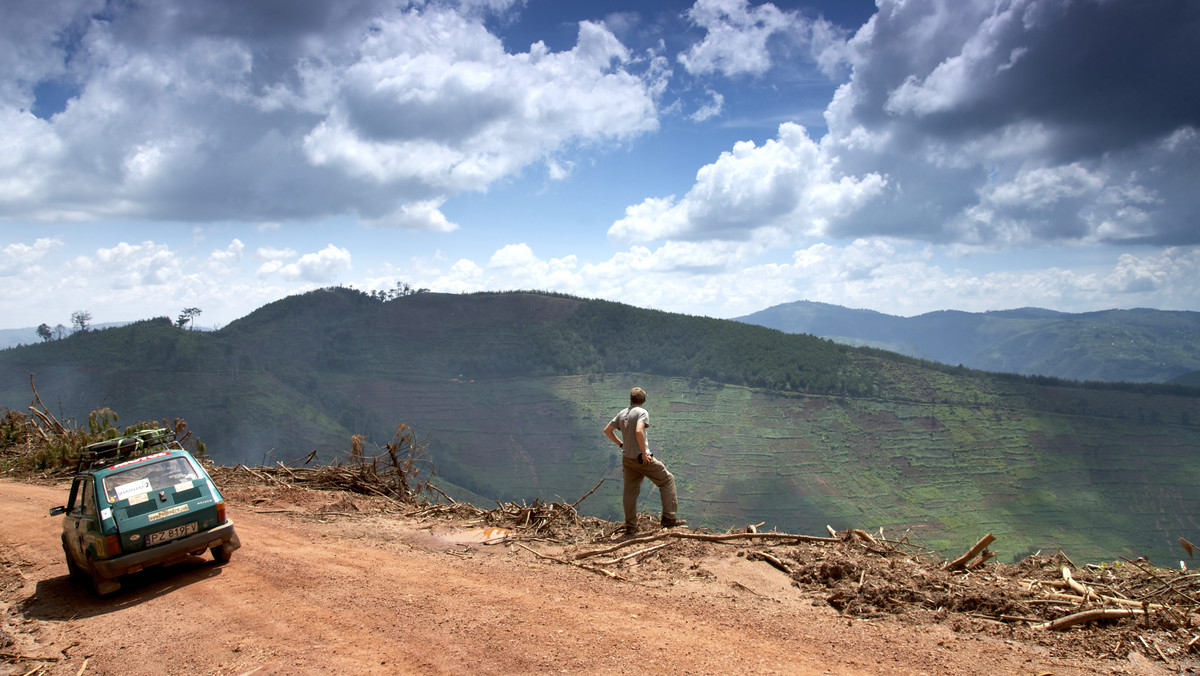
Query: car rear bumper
x,y
171,552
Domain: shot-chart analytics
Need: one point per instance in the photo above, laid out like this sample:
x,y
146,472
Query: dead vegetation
x,y
399,472
40,443
1097,611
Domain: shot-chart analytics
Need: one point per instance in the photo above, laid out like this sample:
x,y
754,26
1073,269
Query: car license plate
x,y
171,533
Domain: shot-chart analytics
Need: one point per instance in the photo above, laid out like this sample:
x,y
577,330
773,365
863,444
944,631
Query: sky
x,y
714,157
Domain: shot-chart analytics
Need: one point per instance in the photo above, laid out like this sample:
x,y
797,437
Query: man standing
x,y
637,461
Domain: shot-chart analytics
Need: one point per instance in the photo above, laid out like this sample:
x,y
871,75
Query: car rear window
x,y
154,476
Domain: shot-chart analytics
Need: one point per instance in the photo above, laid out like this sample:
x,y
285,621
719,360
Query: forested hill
x,y
1138,345
278,377
530,335
512,390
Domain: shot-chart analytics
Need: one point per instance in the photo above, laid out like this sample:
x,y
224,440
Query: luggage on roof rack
x,y
132,444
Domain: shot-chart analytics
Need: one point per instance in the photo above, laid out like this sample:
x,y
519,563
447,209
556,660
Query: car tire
x,y
101,586
73,568
221,554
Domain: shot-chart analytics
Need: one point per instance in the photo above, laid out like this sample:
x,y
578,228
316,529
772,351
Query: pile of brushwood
x,y
1099,611
398,473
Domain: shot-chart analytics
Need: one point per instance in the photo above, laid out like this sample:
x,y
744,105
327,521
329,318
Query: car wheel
x,y
73,568
102,586
221,554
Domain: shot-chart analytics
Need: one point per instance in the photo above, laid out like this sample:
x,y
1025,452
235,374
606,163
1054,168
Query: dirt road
x,y
343,592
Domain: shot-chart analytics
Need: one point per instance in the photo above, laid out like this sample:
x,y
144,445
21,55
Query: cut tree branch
x,y
961,562
576,503
640,552
584,566
1069,621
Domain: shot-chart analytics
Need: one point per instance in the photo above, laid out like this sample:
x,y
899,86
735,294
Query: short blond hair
x,y
637,396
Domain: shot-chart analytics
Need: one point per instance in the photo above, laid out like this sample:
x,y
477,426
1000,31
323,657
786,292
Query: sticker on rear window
x,y
133,488
183,486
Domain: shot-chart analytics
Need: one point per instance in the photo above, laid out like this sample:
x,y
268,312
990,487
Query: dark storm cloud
x,y
1104,75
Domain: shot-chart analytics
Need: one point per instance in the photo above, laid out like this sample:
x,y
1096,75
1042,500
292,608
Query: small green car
x,y
140,501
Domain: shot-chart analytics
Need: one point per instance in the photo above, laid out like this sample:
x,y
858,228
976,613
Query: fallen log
x,y
961,562
1079,600
863,535
1064,623
1080,588
985,556
709,538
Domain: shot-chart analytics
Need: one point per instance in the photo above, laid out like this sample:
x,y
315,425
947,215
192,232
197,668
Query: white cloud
x,y
557,170
274,259
423,215
270,253
515,266
711,109
18,258
655,218
1171,275
130,266
788,184
321,267
228,256
269,268
512,256
435,103
737,36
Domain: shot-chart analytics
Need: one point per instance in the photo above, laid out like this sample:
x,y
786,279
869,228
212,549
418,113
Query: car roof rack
x,y
102,453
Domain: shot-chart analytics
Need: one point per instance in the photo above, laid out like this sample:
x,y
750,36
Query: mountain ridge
x,y
1135,345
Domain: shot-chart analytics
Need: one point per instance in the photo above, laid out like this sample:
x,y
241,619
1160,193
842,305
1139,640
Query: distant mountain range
x,y
1113,345
1139,345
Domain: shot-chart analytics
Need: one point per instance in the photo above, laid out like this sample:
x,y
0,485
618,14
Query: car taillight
x,y
220,512
112,545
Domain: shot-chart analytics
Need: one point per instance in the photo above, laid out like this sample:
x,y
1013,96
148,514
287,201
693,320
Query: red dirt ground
x,y
339,583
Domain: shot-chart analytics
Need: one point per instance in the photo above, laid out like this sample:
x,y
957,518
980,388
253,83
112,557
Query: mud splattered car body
x,y
141,501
